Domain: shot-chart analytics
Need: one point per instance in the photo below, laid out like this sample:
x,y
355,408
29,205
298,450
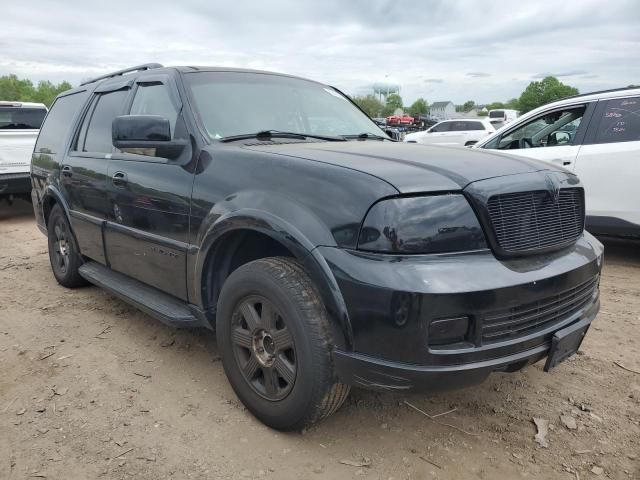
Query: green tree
x,y
12,88
468,105
495,105
512,104
545,91
370,104
394,101
419,107
22,90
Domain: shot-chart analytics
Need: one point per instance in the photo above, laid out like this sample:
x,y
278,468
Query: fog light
x,y
448,330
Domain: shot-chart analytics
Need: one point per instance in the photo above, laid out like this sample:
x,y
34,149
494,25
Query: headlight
x,y
432,224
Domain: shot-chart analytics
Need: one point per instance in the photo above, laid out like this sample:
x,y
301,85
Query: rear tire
x,y
63,252
273,337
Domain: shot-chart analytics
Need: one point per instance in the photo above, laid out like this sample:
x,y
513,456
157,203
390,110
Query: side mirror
x,y
150,133
559,138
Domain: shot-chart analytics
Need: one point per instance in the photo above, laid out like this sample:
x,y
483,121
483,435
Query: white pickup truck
x,y
19,126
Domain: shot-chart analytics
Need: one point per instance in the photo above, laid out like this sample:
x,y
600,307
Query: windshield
x,y
496,114
18,118
237,103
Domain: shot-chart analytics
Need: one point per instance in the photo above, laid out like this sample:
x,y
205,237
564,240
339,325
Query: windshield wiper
x,y
367,135
269,134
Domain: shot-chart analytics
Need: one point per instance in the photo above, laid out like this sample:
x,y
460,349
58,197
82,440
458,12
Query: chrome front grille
x,y
534,220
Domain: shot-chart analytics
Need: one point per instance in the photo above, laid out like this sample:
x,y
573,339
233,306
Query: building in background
x,y
443,110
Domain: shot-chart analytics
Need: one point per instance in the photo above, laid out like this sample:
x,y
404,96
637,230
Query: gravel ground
x,y
92,388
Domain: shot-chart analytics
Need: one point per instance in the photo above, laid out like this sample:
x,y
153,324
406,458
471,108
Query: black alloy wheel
x,y
64,255
264,348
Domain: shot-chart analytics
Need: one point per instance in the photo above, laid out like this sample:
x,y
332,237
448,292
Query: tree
x,y
545,91
419,107
13,88
468,105
394,101
370,104
495,105
512,104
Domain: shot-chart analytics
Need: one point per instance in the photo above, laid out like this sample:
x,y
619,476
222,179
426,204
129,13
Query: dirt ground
x,y
92,388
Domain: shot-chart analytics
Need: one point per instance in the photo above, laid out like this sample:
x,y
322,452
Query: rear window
x,y
496,114
21,118
620,121
58,123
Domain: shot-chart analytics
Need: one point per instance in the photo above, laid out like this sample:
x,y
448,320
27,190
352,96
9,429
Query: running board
x,y
164,307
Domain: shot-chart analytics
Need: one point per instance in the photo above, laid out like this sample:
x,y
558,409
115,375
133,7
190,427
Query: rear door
x,y
147,234
609,161
457,133
84,170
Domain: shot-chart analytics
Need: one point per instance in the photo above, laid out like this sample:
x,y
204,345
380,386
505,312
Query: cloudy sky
x,y
438,49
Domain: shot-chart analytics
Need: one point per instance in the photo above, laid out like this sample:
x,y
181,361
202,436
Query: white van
x,y
597,136
502,116
19,126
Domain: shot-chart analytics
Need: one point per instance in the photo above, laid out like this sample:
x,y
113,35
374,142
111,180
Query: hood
x,y
410,168
16,148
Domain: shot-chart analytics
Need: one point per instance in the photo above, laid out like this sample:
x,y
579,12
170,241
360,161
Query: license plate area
x,y
566,342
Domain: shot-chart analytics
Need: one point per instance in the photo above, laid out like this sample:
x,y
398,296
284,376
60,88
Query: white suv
x,y
19,126
463,131
597,136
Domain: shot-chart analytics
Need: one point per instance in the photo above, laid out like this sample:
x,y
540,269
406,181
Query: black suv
x,y
325,255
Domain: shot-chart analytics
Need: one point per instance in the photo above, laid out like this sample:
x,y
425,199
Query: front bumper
x,y
391,301
15,184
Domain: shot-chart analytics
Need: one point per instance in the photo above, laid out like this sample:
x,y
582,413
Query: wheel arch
x,y
50,198
246,235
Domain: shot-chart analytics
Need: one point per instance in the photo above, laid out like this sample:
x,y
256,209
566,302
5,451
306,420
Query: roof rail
x,y
146,66
611,90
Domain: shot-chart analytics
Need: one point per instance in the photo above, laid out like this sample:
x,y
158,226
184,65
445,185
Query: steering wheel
x,y
525,143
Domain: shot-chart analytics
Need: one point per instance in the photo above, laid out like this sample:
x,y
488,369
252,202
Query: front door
x,y
553,136
147,233
85,169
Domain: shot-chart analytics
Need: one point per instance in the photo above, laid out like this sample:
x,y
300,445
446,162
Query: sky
x,y
437,49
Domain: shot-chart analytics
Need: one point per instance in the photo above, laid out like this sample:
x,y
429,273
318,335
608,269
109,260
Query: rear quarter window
x,y
619,121
59,122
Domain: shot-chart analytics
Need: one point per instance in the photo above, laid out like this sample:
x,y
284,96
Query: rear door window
x,y
474,126
59,122
458,126
98,132
619,121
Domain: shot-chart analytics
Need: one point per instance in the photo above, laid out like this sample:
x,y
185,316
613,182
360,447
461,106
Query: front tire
x,y
273,337
63,252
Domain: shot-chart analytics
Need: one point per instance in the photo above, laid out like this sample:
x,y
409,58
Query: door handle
x,y
565,163
67,171
119,179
